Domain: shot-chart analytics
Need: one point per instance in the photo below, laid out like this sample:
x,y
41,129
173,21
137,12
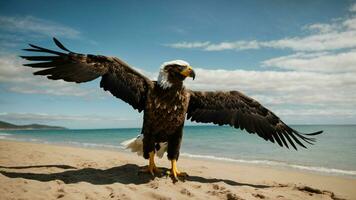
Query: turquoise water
x,y
333,153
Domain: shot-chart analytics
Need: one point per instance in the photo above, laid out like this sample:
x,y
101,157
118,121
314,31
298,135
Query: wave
x,y
4,135
21,139
275,163
86,144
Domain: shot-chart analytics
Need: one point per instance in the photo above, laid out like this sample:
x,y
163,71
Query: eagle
x,y
165,103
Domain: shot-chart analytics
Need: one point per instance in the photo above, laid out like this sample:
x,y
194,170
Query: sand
x,y
40,171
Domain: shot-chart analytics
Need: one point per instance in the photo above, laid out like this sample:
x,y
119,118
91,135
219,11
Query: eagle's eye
x,y
175,68
180,67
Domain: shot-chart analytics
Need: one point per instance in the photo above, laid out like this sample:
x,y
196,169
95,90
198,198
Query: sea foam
x,y
4,135
94,145
275,163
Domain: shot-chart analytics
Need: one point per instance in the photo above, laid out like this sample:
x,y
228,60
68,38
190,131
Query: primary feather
x,y
117,77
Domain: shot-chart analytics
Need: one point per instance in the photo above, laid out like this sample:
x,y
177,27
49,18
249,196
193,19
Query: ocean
x,y
334,152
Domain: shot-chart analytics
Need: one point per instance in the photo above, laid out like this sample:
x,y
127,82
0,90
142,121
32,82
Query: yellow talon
x,y
175,172
151,168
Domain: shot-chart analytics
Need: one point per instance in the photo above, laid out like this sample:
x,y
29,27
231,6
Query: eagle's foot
x,y
175,173
151,168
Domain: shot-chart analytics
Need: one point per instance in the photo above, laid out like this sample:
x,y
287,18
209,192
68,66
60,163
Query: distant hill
x,y
9,126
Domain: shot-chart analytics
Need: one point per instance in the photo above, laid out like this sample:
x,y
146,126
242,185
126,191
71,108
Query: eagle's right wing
x,y
240,111
116,76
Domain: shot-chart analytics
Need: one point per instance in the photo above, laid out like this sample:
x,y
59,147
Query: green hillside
x,y
9,126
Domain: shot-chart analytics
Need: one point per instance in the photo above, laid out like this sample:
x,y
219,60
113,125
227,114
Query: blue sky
x,y
298,58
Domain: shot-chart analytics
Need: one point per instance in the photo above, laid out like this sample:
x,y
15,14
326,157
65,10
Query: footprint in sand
x,y
222,192
260,196
186,192
196,186
89,164
60,193
153,185
314,191
230,196
158,196
111,192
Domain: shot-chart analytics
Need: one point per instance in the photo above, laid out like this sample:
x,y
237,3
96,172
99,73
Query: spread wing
x,y
116,76
237,110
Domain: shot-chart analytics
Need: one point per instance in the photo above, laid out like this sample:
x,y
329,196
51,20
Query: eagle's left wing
x,y
123,81
240,111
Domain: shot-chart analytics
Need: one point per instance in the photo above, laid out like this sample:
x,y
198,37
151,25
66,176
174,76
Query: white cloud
x,y
325,115
30,24
350,23
15,30
238,45
353,8
336,35
20,79
317,112
188,45
283,88
323,28
316,62
322,41
209,46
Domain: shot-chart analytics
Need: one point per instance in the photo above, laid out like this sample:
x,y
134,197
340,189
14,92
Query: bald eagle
x,y
166,103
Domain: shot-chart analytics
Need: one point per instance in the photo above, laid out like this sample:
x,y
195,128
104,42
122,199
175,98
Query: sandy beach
x,y
41,171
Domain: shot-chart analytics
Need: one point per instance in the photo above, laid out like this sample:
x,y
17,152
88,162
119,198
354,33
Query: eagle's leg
x,y
175,172
174,143
151,168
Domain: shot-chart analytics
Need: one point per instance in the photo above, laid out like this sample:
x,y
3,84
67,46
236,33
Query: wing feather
x,y
240,111
117,77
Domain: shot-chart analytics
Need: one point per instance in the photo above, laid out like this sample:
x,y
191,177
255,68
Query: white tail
x,y
162,149
136,145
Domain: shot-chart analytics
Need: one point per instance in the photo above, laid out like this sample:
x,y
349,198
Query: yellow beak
x,y
188,71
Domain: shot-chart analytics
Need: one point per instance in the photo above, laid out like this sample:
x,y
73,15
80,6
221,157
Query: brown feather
x,y
248,114
117,77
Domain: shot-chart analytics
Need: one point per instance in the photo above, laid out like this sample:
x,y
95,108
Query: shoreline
x,y
20,161
277,165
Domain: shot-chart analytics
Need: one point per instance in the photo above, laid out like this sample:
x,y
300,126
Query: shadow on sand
x,y
39,166
125,174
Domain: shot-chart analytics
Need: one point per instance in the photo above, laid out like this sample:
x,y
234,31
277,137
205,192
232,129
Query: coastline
x,y
77,171
265,162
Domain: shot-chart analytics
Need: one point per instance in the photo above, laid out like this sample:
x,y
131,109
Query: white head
x,y
174,71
